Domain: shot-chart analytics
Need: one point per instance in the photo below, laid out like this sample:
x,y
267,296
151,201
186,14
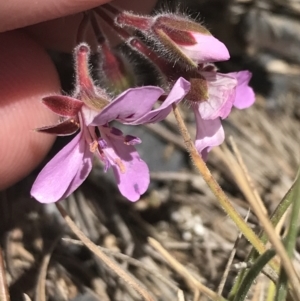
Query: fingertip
x,y
20,13
27,75
61,33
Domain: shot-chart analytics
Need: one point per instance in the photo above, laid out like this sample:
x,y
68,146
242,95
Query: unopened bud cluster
x,y
177,37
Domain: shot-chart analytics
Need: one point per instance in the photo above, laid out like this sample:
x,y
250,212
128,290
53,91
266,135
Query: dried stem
x,y
266,223
131,261
138,287
191,281
4,295
40,293
180,295
230,260
247,175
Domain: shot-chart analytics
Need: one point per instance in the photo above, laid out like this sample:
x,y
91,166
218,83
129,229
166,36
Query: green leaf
x,y
290,239
252,273
275,218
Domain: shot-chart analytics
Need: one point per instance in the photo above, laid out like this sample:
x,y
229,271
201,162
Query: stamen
x,y
94,146
120,164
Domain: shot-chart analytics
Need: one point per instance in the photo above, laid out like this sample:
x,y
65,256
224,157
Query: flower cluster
x,y
178,37
90,110
212,94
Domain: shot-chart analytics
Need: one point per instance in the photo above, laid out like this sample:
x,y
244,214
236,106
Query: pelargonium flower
x,y
177,36
212,96
90,110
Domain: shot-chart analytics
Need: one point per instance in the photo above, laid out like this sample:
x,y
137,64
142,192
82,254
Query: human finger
x,y
27,74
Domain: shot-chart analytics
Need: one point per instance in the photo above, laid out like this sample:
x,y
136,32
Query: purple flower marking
x,y
90,111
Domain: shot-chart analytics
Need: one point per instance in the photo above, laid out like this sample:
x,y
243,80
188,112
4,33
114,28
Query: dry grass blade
x,y
290,242
4,295
265,222
247,175
230,260
40,293
190,280
271,292
258,291
134,283
26,297
180,295
130,260
241,175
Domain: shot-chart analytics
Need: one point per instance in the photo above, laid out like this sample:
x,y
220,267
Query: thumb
x,y
27,74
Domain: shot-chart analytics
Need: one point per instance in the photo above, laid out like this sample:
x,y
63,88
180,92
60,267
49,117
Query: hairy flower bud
x,y
86,90
178,36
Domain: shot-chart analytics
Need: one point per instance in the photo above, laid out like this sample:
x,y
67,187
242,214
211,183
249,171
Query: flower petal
x,y
65,128
56,180
88,115
129,106
245,96
131,172
63,105
221,91
207,49
209,133
132,140
179,90
83,171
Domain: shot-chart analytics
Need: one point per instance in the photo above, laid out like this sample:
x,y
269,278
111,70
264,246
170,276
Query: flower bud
x,y
86,90
178,36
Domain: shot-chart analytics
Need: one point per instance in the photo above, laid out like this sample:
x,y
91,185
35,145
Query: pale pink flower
x,y
89,110
212,96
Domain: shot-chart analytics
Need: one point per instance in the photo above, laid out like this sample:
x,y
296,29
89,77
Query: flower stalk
x,y
215,187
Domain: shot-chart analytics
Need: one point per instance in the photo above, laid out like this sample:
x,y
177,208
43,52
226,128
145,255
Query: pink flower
x,y
212,96
193,40
90,110
177,37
